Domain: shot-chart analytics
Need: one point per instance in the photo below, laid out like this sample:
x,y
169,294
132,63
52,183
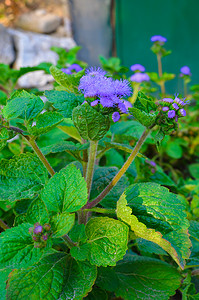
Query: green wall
x,y
177,20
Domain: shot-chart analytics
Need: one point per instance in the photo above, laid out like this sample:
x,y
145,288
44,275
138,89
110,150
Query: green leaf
x,y
24,105
146,119
124,147
102,177
80,252
3,278
194,237
174,150
66,191
68,127
17,248
70,82
97,294
140,278
78,233
69,147
21,177
158,216
61,224
145,103
194,170
57,276
149,247
45,122
64,102
90,123
78,280
37,212
108,240
42,281
188,289
3,98
129,130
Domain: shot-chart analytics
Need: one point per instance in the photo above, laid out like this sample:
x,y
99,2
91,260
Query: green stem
x,y
68,241
84,159
91,165
159,56
135,93
3,225
122,170
33,144
101,210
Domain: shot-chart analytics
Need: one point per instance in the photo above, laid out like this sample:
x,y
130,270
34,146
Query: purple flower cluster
x,y
105,90
72,68
40,234
185,71
139,77
174,107
137,67
158,38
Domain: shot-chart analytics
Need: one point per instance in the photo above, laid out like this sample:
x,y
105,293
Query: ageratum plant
x,y
83,230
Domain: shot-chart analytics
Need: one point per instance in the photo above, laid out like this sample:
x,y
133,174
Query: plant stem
x,y
3,225
101,210
160,72
83,216
91,165
135,93
121,171
84,159
68,241
33,144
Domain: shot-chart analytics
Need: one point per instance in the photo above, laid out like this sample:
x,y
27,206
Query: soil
x,y
11,9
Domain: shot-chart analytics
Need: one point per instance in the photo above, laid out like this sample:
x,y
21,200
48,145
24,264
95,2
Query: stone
x,y
65,29
39,21
33,49
7,53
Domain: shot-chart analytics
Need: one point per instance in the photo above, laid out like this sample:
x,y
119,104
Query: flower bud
x,y
44,237
38,229
47,227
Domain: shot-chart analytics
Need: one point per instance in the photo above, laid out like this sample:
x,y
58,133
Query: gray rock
x,y
39,21
7,53
32,49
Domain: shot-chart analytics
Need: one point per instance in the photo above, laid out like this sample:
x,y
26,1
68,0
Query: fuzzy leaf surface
x,y
24,105
45,122
70,82
146,119
21,177
68,127
41,281
90,123
79,278
194,237
108,240
140,278
62,223
156,215
102,177
37,212
66,191
64,102
17,248
3,278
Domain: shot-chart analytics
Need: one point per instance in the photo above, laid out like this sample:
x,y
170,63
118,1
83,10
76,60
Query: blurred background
x,y
122,28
